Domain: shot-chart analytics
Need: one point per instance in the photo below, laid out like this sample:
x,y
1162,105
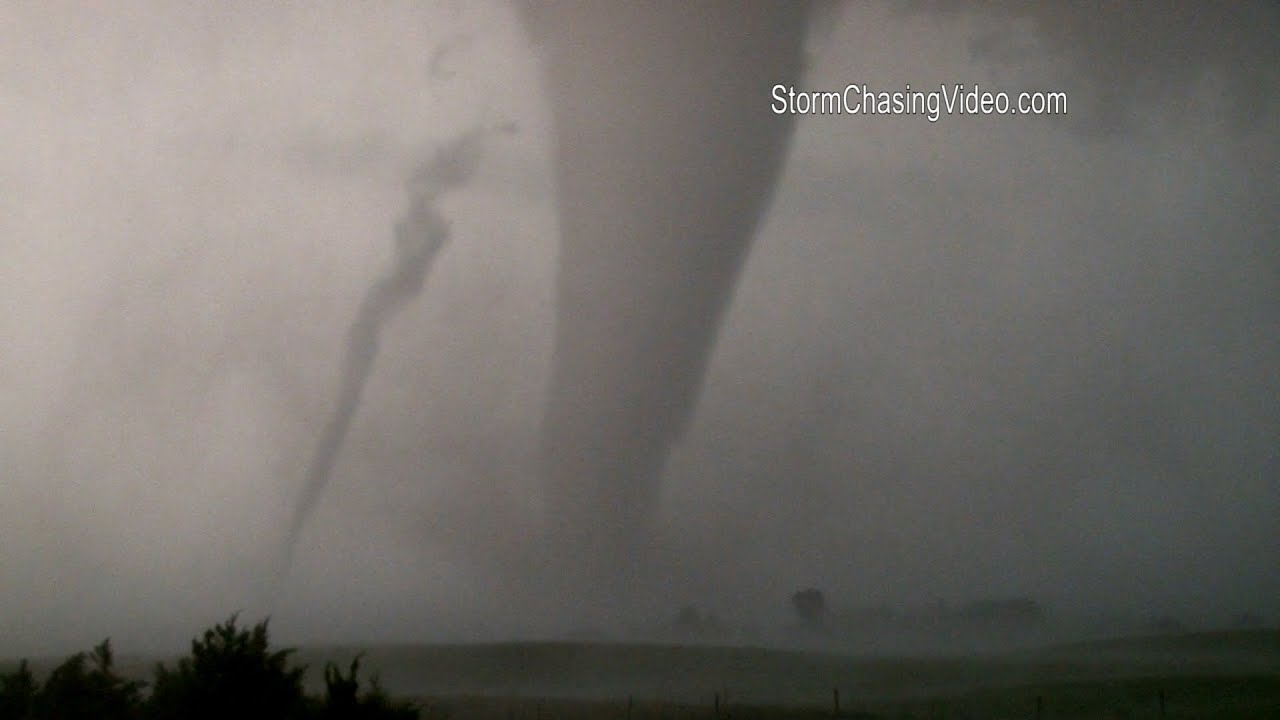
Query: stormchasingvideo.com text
x,y
955,99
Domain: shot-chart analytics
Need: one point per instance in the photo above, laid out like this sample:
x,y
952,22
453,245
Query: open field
x,y
1225,698
1204,675
1221,674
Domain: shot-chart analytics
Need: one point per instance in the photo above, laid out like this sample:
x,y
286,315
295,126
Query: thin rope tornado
x,y
419,237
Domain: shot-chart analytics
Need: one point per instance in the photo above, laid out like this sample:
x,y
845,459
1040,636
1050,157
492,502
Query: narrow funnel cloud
x,y
666,158
419,236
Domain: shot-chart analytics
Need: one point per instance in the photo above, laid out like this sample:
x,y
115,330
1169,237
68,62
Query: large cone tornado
x,y
419,236
666,158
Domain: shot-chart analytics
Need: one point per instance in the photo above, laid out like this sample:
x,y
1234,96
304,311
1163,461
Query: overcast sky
x,y
983,356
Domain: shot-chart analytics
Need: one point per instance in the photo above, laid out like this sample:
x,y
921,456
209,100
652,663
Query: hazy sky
x,y
982,356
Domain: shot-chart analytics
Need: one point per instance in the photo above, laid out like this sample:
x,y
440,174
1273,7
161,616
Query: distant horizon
x,y
838,636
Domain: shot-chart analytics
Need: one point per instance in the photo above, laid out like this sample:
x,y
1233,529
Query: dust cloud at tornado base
x,y
970,358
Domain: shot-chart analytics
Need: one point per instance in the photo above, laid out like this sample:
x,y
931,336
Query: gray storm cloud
x,y
982,356
1122,60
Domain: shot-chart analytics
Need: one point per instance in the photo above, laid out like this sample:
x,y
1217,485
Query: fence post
x,y
716,709
630,704
835,702
1161,691
1039,706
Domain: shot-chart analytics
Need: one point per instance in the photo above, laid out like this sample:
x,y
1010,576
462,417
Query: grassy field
x,y
1225,698
1205,675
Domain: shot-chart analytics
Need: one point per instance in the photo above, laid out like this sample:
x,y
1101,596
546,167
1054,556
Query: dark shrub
x,y
17,693
230,673
87,686
344,701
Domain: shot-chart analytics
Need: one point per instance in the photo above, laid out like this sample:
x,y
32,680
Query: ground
x,y
1204,675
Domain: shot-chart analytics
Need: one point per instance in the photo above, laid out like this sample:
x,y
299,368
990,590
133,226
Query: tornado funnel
x,y
666,157
419,236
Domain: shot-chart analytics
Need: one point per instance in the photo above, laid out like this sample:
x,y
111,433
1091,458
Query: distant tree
x,y
810,605
1168,624
1007,612
17,693
688,619
1248,621
230,672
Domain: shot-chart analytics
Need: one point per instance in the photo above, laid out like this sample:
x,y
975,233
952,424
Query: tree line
x,y
230,672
